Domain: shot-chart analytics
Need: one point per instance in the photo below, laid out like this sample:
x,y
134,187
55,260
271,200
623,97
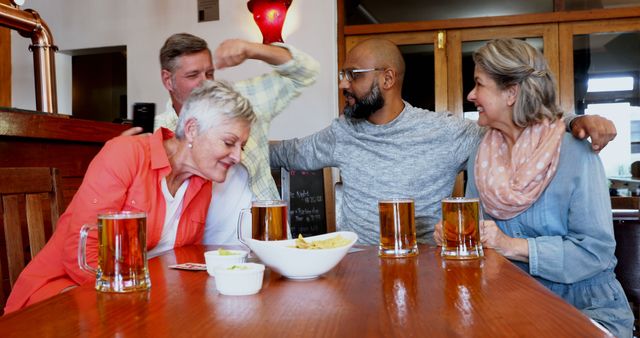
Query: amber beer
x,y
122,252
397,228
460,227
269,220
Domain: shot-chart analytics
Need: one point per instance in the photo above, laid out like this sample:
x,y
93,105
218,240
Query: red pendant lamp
x,y
269,15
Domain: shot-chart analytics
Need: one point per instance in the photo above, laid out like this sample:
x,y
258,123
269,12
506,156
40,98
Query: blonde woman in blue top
x,y
544,192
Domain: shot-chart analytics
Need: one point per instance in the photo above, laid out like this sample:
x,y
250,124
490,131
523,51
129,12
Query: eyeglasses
x,y
353,74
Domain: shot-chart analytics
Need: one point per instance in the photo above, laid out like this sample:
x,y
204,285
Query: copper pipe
x,y
29,24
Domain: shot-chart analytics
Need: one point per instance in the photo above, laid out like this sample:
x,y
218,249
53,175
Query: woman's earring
x,y
190,145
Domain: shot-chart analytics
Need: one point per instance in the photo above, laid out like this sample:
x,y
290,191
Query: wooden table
x,y
364,296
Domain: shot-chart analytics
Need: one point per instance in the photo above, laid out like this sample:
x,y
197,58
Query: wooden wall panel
x,y
42,140
70,157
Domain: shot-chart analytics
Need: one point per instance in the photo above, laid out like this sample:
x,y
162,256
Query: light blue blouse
x,y
570,234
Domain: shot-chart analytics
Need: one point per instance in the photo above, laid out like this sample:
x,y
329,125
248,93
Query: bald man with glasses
x,y
385,147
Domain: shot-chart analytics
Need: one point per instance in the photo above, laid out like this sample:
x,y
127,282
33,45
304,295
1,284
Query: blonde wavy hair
x,y
514,62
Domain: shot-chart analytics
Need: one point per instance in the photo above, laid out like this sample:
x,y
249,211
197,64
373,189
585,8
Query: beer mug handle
x,y
480,220
82,248
240,219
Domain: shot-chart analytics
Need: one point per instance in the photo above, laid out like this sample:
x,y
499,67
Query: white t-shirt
x,y
171,218
228,199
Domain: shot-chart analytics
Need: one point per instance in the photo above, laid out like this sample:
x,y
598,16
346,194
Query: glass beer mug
x,y
461,219
397,228
122,252
268,221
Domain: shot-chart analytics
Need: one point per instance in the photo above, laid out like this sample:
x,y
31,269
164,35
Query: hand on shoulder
x,y
132,131
600,129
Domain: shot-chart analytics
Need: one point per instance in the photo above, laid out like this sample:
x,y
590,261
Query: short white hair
x,y
211,103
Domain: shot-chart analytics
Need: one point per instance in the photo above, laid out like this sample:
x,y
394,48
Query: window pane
x,y
418,88
609,84
360,12
617,155
635,131
611,58
635,136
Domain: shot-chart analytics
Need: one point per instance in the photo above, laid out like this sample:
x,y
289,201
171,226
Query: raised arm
x,y
269,93
233,52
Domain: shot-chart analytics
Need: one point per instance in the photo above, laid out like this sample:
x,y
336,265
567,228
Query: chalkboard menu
x,y
304,193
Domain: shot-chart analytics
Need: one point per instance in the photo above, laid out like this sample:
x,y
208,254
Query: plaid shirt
x,y
269,94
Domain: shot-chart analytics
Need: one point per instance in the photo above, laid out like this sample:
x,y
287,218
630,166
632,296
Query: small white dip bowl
x,y
213,259
239,279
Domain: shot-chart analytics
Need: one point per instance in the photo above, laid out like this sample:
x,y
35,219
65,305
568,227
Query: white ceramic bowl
x,y
295,263
239,279
213,259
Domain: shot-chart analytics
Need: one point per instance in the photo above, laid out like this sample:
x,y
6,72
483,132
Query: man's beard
x,y
365,107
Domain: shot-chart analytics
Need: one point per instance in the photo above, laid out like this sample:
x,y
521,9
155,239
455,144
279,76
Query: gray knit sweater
x,y
416,155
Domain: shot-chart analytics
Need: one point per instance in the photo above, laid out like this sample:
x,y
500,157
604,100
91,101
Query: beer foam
x,y
272,203
122,215
396,200
460,199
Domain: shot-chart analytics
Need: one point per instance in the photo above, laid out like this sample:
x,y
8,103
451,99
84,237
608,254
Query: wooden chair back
x,y
626,227
625,202
30,203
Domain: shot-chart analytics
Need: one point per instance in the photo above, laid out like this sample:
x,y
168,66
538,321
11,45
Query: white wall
x,y
143,25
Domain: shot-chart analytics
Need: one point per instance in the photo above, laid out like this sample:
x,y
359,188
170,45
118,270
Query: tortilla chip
x,y
329,243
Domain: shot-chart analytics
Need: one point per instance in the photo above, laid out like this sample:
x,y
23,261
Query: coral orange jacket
x,y
125,175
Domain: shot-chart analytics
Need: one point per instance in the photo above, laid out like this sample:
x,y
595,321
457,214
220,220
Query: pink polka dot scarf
x,y
510,183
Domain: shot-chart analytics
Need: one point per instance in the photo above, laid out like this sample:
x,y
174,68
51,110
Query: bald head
x,y
382,53
374,92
